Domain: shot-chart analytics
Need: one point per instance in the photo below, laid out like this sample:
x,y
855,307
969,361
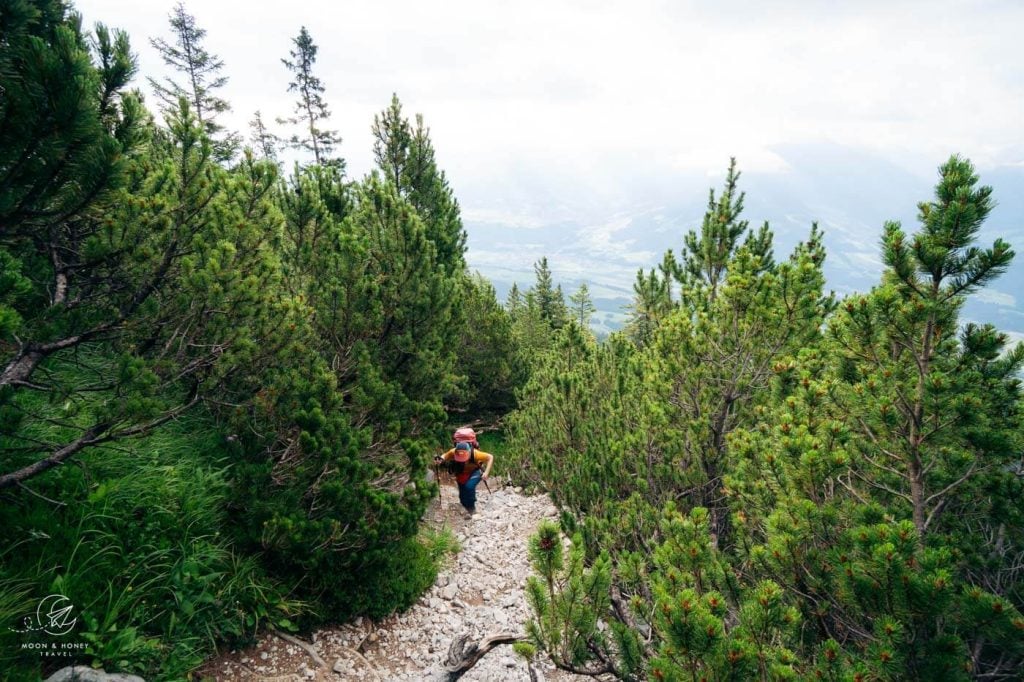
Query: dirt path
x,y
479,593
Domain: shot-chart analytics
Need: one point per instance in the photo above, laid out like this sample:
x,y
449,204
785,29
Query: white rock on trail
x,y
479,593
81,673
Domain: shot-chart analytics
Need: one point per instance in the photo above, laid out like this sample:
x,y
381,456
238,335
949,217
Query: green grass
x,y
140,546
494,443
440,543
507,462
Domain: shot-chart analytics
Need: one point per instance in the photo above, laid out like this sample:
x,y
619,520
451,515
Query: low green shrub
x,y
389,580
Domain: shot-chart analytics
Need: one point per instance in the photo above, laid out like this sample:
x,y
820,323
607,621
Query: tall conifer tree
x,y
202,72
582,306
310,108
263,141
514,301
549,298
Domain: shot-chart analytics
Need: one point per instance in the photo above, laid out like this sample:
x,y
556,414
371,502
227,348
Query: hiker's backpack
x,y
463,435
466,435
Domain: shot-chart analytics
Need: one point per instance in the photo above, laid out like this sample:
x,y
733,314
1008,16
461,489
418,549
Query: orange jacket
x,y
477,461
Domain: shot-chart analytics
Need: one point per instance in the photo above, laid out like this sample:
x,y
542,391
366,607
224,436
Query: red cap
x,y
462,451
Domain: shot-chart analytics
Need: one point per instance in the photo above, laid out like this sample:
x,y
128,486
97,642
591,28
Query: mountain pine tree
x,y
67,122
652,302
392,138
143,295
567,599
787,434
487,352
706,254
914,387
405,155
312,201
714,367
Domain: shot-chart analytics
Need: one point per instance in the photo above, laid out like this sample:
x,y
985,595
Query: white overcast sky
x,y
513,86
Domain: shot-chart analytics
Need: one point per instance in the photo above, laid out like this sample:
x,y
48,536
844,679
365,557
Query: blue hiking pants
x,y
467,490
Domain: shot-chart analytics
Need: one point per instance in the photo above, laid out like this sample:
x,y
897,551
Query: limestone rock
x,y
81,673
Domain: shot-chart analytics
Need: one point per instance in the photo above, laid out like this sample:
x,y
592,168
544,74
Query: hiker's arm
x,y
446,456
490,461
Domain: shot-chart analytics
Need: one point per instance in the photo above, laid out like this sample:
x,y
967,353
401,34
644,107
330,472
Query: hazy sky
x,y
508,85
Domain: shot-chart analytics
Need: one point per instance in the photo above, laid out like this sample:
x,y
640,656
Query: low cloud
x,y
996,298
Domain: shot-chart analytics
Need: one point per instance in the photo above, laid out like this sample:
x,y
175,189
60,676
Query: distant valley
x,y
603,237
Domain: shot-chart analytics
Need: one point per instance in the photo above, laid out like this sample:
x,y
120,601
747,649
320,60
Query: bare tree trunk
x,y
20,369
721,528
97,433
91,436
917,495
915,469
463,654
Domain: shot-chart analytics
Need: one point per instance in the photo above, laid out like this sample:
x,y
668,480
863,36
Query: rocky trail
x,y
479,593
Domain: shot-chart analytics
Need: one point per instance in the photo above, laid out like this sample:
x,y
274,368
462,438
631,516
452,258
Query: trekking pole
x,y
440,496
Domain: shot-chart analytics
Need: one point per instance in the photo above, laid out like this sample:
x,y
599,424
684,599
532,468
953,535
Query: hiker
x,y
465,461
